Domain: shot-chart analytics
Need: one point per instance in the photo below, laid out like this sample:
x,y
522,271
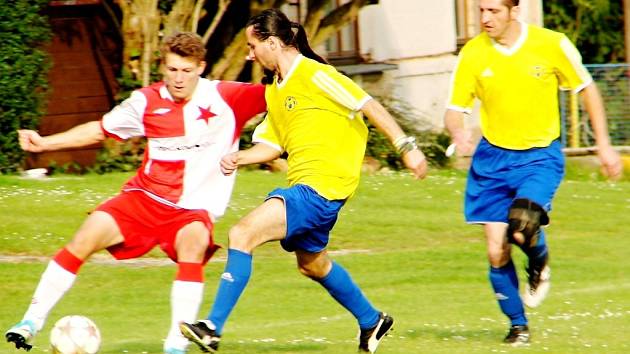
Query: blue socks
x,y
233,282
338,283
505,284
343,289
539,251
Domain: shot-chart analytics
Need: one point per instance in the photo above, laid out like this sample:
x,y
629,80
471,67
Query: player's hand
x,y
30,140
416,162
229,163
612,166
464,143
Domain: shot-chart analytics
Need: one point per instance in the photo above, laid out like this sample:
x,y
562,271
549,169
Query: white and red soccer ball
x,y
75,335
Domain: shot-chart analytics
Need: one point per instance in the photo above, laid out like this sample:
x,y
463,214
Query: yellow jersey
x,y
314,115
517,86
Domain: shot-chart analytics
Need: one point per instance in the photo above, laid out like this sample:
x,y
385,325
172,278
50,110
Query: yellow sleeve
x,y
340,89
266,133
462,91
572,74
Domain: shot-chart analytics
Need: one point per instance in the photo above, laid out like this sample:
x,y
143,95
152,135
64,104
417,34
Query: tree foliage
x,y
24,65
143,23
595,26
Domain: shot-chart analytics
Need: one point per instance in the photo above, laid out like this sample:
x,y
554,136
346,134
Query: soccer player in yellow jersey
x,y
515,70
315,116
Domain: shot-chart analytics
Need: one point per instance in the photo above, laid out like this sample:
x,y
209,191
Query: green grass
x,y
404,242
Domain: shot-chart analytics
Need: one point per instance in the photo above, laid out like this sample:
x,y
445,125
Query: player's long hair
x,y
273,22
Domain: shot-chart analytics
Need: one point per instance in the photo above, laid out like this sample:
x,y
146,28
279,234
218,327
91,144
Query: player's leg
x,y
489,194
538,181
525,220
337,281
99,231
191,243
504,281
265,223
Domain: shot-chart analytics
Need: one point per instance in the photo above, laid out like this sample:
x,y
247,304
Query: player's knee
x,y
305,270
315,268
83,246
524,221
239,237
191,244
497,257
312,271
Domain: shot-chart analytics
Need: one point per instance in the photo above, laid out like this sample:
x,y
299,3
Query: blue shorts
x,y
310,217
497,176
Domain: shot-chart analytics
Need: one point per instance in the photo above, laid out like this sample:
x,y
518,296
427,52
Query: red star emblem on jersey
x,y
205,114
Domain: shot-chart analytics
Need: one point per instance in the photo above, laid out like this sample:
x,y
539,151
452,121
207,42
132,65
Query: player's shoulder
x,y
545,34
308,66
478,43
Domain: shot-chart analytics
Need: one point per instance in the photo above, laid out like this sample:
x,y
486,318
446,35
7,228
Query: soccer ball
x,y
75,335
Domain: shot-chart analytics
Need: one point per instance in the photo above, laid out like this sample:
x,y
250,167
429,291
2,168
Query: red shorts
x,y
145,223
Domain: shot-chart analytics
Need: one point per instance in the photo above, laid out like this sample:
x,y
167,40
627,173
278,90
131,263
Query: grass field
x,y
404,242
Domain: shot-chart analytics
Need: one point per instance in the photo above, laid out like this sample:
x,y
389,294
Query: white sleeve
x,y
125,120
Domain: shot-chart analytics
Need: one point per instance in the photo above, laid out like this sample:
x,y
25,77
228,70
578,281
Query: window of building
x,y
293,10
343,47
467,20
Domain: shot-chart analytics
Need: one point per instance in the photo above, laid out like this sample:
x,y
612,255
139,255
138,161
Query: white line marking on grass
x,y
104,258
593,289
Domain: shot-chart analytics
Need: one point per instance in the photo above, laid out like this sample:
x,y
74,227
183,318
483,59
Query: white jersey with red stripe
x,y
186,140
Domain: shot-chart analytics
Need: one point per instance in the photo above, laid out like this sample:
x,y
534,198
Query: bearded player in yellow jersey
x,y
315,115
515,70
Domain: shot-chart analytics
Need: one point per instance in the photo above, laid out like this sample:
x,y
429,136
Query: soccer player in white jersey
x,y
175,196
316,117
515,70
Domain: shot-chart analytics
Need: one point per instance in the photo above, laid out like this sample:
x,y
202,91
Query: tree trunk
x,y
142,22
336,20
223,5
140,28
314,16
626,21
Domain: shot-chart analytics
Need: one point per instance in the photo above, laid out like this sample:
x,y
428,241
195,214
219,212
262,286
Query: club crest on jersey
x,y
289,103
538,71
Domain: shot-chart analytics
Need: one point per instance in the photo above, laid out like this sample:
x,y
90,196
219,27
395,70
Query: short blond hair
x,y
184,44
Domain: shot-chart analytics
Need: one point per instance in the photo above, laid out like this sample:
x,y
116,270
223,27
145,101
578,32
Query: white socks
x,y
186,297
53,284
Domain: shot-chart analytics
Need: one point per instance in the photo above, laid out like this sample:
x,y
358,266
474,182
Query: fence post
x,y
574,113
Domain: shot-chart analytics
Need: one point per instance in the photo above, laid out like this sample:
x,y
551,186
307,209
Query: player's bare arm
x,y
82,135
413,158
256,154
454,124
608,157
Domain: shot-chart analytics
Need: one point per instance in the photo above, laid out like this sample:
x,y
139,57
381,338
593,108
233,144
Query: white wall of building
x,y
420,37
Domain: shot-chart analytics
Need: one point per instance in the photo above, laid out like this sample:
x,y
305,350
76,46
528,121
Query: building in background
x,y
421,38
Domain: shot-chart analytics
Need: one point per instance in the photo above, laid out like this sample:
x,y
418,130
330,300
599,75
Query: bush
x,y
432,143
24,68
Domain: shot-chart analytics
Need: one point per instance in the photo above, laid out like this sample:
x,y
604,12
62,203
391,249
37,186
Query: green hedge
x,y
24,67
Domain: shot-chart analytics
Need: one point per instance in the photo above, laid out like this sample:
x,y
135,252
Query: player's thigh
x,y
540,187
97,232
540,178
265,223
